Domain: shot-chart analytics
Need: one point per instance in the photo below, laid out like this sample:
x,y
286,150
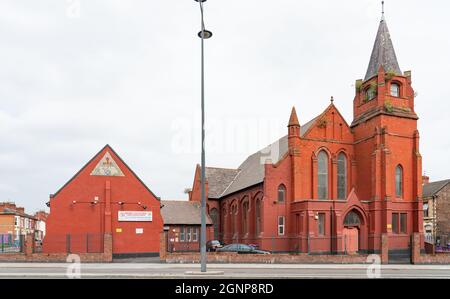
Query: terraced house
x,y
329,185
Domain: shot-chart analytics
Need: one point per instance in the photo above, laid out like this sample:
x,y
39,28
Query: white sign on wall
x,y
137,216
139,231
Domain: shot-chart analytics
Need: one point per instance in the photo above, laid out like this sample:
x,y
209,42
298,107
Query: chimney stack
x,y
7,205
425,179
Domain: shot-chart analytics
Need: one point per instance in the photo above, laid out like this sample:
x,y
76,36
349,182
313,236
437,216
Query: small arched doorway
x,y
351,232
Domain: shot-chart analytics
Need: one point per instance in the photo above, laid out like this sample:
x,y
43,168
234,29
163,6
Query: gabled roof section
x,y
177,212
251,171
108,148
433,188
306,128
383,53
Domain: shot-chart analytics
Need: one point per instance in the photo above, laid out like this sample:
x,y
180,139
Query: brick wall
x,y
443,213
417,258
7,224
215,257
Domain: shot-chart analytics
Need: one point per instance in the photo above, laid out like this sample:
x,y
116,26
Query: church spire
x,y
293,120
383,53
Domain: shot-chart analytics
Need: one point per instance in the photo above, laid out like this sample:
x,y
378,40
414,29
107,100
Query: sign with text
x,y
136,216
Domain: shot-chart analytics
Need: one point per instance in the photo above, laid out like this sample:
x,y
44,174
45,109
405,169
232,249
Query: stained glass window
x,y
342,176
322,172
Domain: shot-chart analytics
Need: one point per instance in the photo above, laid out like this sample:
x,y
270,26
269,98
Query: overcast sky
x,y
76,75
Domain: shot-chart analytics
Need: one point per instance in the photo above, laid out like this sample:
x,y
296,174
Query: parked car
x,y
256,246
213,245
241,248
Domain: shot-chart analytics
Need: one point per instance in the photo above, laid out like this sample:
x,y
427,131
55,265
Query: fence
x,y
442,243
73,243
11,244
304,244
293,243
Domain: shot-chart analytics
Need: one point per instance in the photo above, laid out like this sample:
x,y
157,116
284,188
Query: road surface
x,y
235,271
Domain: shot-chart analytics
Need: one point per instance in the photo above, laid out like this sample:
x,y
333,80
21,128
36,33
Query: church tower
x,y
387,143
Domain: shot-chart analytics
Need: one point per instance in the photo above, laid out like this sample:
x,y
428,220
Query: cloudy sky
x,y
76,75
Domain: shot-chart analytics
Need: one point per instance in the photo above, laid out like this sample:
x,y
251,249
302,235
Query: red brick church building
x,y
329,186
103,203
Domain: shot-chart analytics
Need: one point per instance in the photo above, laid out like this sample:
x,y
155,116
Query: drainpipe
x,y
331,230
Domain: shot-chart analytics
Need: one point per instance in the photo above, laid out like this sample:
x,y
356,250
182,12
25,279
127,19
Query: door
x,y
351,239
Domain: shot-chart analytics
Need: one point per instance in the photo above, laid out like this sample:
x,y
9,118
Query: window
x,y
322,172
370,93
281,225
399,181
403,223
342,176
188,235
321,224
214,214
195,234
258,217
425,210
233,219
281,193
395,90
352,219
224,220
395,223
244,248
182,234
231,247
244,217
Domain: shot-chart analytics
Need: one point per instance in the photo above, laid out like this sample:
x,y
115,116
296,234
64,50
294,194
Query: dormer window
x,y
395,90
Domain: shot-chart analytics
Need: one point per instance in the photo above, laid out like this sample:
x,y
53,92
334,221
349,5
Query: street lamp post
x,y
203,34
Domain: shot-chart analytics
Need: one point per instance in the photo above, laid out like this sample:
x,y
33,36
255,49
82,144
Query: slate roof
x,y
218,180
251,171
8,211
432,188
383,53
177,212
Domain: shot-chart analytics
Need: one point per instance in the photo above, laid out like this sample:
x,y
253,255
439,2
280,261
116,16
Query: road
x,y
236,271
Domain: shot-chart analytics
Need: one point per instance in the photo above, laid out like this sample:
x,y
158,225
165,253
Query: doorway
x,y
351,232
351,239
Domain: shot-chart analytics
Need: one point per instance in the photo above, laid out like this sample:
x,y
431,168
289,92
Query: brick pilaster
x,y
384,248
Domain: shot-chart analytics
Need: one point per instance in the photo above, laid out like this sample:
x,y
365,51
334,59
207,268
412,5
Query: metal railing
x,y
73,243
11,243
291,243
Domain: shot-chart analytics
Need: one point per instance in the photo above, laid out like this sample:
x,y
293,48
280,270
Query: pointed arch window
x,y
322,175
281,194
342,176
399,181
245,217
233,212
258,217
214,214
352,219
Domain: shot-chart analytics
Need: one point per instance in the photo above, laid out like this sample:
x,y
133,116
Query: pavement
x,y
220,271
